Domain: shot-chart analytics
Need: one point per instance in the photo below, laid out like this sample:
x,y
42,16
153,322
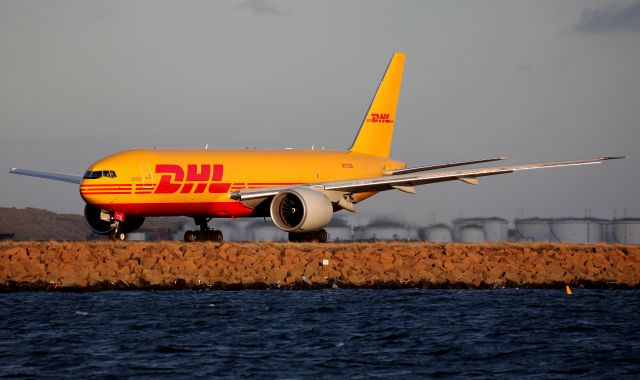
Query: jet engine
x,y
301,210
92,215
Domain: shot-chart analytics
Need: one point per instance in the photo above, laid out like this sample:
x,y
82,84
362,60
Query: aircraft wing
x,y
48,175
405,182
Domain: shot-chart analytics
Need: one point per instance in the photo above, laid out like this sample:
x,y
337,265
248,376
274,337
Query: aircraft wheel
x,y
189,236
217,236
295,237
320,236
117,235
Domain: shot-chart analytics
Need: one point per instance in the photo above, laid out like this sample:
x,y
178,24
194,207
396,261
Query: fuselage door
x,y
147,176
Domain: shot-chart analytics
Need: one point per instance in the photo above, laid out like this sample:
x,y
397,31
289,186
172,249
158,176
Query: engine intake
x,y
103,227
301,210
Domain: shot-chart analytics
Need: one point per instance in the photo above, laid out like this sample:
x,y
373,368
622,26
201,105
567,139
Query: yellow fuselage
x,y
158,182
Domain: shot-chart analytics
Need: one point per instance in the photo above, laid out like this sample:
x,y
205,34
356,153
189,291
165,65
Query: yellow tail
x,y
376,131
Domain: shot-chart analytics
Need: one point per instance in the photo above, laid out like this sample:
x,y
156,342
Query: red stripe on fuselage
x,y
272,183
106,184
104,192
210,209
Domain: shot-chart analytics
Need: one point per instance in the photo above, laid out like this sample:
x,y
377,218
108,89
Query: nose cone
x,y
102,186
86,193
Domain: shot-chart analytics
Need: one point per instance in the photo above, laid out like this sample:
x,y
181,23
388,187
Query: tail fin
x,y
376,131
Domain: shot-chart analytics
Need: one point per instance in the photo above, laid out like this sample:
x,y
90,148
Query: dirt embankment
x,y
171,265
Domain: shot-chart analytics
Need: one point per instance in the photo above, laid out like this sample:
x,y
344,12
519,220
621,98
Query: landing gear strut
x,y
116,233
319,236
204,234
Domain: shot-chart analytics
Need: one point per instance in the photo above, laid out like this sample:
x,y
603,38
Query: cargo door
x,y
147,184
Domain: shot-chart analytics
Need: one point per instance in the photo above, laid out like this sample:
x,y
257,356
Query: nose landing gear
x,y
116,233
204,234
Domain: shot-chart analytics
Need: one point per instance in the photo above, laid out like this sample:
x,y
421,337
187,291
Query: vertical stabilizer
x,y
376,131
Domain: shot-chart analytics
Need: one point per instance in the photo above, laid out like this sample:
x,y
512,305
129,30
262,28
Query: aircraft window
x,y
99,174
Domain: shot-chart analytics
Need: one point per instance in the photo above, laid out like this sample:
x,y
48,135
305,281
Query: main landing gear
x,y
204,234
319,236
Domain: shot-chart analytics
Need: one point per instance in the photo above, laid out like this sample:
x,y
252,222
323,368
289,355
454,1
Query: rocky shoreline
x,y
92,266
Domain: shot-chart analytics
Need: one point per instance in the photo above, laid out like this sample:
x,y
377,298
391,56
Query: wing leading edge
x,y
406,181
70,178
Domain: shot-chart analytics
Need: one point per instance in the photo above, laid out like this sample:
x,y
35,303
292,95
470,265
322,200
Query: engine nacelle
x,y
301,210
103,227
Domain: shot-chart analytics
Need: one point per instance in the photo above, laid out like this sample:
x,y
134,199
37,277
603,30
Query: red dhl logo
x,y
379,118
197,180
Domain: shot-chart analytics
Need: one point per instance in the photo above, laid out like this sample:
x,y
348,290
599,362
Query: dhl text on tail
x,y
299,189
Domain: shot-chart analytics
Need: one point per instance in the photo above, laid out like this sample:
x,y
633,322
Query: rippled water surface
x,y
321,334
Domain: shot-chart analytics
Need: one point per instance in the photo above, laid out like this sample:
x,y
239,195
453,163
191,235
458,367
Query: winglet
x,y
606,158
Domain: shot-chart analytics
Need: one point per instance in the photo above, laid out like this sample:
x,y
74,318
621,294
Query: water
x,y
321,334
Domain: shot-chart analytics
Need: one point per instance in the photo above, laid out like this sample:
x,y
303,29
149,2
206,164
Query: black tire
x,y
189,236
117,235
320,236
217,236
294,237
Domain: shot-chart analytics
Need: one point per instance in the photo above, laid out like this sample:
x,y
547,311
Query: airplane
x,y
299,190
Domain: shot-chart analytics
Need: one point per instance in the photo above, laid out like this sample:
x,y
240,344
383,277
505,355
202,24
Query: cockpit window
x,y
95,174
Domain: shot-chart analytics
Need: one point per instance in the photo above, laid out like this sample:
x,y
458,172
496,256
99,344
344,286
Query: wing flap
x,y
440,166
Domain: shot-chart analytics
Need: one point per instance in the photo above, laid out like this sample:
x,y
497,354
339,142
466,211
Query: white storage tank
x,y
627,230
607,230
471,234
385,229
460,223
533,229
577,230
495,229
439,233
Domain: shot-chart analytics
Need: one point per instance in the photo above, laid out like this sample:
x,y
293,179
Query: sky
x,y
530,80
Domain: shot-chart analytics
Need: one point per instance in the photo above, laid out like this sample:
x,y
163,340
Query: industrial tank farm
x,y
464,230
